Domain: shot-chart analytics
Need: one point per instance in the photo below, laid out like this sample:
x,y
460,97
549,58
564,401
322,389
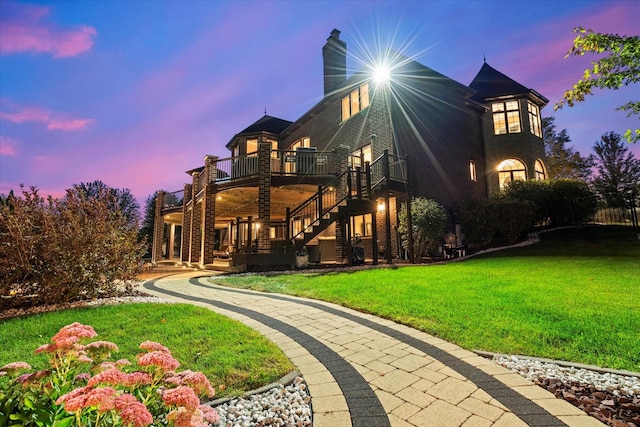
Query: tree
x,y
148,221
121,200
563,161
618,170
428,219
619,67
63,250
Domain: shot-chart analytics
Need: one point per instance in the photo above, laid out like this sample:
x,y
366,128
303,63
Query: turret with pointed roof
x,y
511,127
491,84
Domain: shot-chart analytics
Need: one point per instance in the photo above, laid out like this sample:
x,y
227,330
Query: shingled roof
x,y
491,83
268,124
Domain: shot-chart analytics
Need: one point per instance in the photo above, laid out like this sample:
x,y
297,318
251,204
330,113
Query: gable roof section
x,y
268,124
490,83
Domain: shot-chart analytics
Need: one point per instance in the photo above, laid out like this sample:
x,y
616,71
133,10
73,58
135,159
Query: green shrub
x,y
478,222
484,220
559,202
428,219
513,217
62,250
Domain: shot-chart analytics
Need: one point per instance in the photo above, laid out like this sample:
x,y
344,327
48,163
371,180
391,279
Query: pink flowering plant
x,y
83,388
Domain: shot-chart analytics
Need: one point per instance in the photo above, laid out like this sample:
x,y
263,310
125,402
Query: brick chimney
x,y
334,55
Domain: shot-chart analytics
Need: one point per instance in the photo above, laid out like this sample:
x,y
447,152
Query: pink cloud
x,y
24,32
67,125
53,120
8,146
26,115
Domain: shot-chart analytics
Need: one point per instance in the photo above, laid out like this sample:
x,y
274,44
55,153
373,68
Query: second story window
x,y
361,156
506,117
356,101
534,119
252,145
301,143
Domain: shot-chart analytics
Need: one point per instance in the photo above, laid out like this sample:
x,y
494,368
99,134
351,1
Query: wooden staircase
x,y
344,210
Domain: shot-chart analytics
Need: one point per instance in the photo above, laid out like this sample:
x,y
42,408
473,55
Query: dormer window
x,y
356,101
506,117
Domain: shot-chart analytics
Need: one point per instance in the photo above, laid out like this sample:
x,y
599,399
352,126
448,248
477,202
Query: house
x,y
346,166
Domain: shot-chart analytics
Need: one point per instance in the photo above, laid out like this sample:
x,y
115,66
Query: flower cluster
x,y
83,388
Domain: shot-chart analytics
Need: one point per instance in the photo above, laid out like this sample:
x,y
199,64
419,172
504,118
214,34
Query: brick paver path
x,y
364,371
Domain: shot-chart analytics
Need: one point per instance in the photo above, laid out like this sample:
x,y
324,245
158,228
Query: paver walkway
x,y
364,371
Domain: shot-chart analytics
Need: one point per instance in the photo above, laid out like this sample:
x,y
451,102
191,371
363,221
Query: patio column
x,y
186,224
342,165
158,229
264,195
196,222
209,210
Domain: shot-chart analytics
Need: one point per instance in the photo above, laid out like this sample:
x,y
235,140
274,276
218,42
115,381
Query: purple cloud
x,y
53,120
23,31
8,146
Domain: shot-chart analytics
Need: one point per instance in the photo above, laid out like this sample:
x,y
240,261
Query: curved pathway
x,y
362,370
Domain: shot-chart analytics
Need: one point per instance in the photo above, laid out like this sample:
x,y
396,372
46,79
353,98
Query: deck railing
x,y
237,167
299,162
173,199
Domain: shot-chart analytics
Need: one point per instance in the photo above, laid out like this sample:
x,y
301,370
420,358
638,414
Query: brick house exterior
x,y
348,165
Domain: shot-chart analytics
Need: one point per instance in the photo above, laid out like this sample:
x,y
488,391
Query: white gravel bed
x,y
120,300
286,406
608,382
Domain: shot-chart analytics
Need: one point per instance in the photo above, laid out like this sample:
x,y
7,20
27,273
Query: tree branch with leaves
x,y
620,66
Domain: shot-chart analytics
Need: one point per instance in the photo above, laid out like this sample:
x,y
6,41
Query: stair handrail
x,y
321,209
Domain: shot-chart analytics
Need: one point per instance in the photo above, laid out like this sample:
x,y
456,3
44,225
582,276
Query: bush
x,y
559,202
483,220
513,218
428,219
62,250
83,388
478,222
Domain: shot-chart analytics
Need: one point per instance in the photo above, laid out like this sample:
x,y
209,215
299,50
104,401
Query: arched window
x,y
541,175
511,170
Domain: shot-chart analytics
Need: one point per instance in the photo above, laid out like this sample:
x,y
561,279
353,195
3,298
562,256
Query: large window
x,y
252,145
361,224
301,143
356,101
290,162
506,117
511,170
361,156
541,175
534,119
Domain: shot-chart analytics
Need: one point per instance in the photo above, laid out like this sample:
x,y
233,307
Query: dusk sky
x,y
134,93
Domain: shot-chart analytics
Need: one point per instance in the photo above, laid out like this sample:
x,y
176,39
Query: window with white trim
x,y
534,119
506,117
356,101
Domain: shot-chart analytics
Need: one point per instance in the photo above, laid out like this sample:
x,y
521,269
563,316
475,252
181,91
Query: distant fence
x,y
625,217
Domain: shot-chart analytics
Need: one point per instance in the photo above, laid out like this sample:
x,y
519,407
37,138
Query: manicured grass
x,y
566,298
229,353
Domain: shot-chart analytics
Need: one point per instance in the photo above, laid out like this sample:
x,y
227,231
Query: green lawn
x,y
226,351
566,298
